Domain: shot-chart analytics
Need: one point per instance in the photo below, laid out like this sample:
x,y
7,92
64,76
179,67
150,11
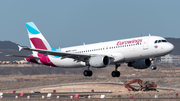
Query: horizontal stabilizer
x,y
23,56
21,47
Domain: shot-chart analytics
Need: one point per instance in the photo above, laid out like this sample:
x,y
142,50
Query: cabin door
x,y
145,43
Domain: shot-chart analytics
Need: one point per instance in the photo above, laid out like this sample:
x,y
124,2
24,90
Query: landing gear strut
x,y
88,72
116,73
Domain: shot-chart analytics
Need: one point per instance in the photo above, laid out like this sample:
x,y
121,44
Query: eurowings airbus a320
x,y
137,52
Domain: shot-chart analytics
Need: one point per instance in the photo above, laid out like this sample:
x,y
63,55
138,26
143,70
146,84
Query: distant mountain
x,y
8,47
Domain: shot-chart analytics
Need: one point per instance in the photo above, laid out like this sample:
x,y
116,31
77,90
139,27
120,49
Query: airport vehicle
x,y
137,52
143,86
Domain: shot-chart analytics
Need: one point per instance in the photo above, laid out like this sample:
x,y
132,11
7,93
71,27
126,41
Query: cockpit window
x,y
155,41
164,41
159,41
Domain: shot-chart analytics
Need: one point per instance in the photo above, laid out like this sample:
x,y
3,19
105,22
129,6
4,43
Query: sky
x,y
67,23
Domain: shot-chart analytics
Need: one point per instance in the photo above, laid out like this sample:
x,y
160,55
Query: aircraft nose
x,y
170,47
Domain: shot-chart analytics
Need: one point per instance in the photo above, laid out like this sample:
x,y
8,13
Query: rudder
x,y
37,40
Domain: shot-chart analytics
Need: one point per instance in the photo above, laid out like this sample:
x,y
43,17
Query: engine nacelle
x,y
99,61
140,64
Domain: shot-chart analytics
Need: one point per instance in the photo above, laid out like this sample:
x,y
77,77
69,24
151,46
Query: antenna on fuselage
x,y
84,44
149,34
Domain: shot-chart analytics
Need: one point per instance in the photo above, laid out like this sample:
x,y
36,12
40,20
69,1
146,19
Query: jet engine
x,y
99,61
140,64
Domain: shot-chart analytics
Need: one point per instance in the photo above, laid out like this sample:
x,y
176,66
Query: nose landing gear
x,y
153,67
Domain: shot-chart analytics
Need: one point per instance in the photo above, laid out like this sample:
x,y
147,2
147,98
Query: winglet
x,y
20,48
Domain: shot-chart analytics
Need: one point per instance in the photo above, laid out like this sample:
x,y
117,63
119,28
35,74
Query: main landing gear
x,y
116,73
88,72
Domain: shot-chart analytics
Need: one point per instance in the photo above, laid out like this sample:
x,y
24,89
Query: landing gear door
x,y
145,43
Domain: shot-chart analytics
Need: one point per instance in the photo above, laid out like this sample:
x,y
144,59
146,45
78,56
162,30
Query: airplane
x,y
138,52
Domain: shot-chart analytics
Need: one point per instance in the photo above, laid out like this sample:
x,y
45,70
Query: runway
x,y
83,96
61,94
93,99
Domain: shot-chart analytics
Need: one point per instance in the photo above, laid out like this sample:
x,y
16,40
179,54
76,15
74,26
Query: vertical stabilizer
x,y
37,40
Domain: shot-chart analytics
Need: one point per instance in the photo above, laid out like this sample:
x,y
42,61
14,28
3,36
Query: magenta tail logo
x,y
38,43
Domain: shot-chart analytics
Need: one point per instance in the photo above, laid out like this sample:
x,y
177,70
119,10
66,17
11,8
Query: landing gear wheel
x,y
88,73
115,74
85,73
153,67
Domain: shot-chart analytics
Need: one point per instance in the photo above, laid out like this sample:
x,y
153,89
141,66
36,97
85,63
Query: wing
x,y
77,56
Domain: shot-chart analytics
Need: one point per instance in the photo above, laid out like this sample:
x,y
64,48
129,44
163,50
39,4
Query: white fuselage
x,y
124,50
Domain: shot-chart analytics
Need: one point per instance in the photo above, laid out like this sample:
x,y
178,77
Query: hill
x,y
8,47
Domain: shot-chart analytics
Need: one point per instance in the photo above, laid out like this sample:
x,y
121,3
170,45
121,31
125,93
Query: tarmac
x,y
83,96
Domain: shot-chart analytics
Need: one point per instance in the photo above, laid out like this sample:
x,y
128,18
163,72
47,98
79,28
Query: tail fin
x,y
37,40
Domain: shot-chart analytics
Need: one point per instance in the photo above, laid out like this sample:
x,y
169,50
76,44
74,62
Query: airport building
x,y
170,59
